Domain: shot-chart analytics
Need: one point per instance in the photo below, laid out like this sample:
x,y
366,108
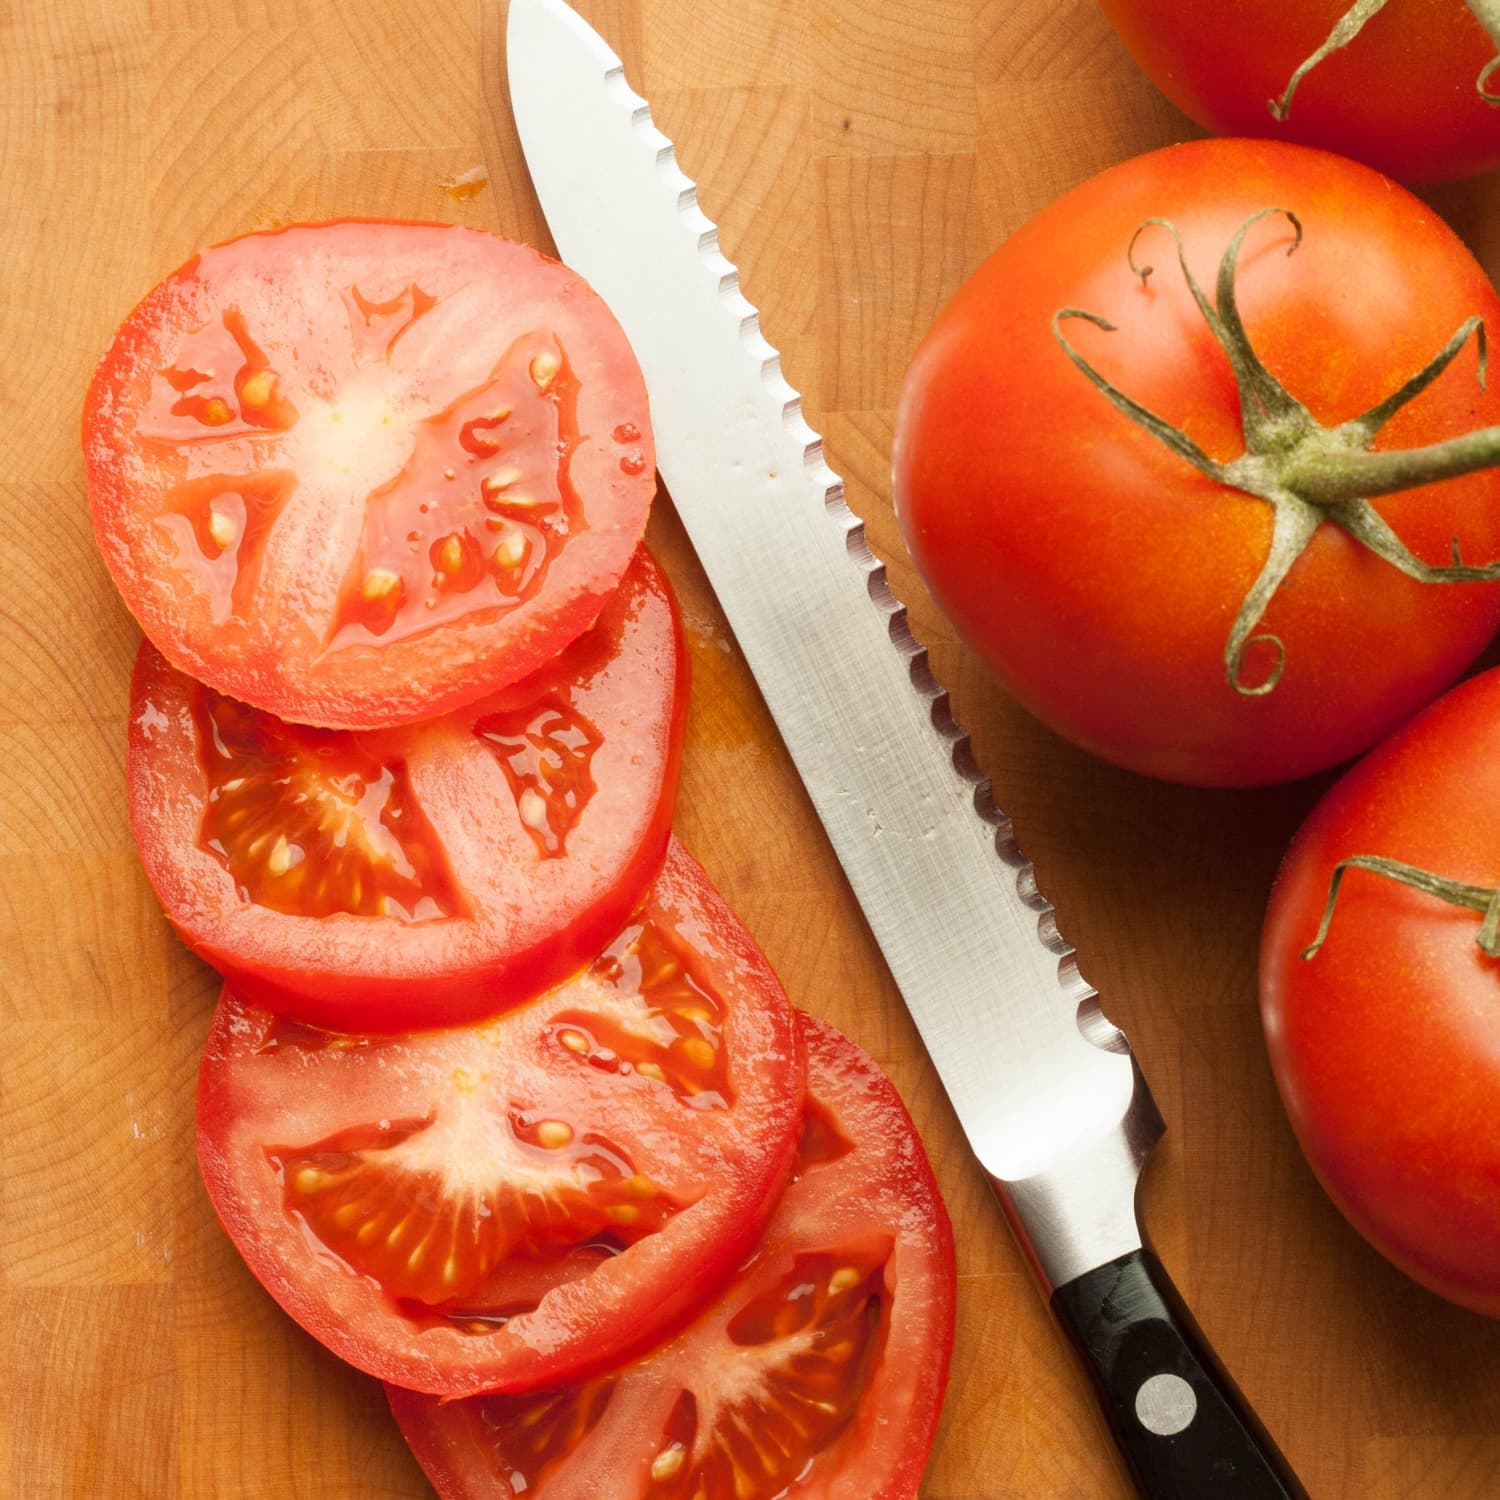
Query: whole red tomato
x,y
1106,576
1386,1040
1407,91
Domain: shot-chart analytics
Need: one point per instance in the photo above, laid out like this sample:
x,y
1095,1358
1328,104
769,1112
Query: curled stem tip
x,y
1487,13
1236,660
1307,473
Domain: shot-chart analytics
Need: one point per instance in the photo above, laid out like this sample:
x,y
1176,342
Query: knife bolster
x,y
1081,1212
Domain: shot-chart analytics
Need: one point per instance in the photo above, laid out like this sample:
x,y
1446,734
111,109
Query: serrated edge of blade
x,y
1075,1209
1073,986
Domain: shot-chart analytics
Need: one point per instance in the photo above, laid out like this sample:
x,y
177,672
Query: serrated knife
x,y
1046,1090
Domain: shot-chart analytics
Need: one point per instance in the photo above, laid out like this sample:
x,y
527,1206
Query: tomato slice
x,y
819,1372
361,473
396,879
523,1201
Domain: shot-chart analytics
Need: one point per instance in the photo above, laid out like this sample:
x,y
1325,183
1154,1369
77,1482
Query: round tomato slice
x,y
361,473
524,1201
390,880
819,1372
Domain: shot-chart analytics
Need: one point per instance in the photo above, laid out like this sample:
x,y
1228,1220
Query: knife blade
x,y
1046,1089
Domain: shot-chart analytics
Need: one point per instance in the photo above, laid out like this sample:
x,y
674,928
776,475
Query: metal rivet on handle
x,y
1165,1405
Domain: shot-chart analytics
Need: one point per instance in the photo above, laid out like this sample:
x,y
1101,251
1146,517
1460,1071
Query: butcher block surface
x,y
861,157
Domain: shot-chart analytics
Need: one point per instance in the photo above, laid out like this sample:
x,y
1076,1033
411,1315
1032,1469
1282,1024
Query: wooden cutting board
x,y
861,158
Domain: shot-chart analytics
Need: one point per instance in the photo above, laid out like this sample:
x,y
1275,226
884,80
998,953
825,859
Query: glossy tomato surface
x,y
1386,1041
398,879
1098,571
359,474
523,1201
818,1372
1403,95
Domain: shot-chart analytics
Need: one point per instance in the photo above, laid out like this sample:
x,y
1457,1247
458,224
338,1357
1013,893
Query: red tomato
x,y
390,880
1099,571
359,474
527,1200
1404,94
818,1372
1386,1041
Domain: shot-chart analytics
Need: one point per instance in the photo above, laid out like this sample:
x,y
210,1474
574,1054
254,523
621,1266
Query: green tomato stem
x,y
1307,473
1345,29
1479,898
1353,21
1487,13
1330,477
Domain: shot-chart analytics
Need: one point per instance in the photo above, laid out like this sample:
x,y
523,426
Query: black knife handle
x,y
1184,1428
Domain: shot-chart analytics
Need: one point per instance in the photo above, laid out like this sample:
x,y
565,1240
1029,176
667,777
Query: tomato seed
x,y
544,368
380,583
256,391
222,529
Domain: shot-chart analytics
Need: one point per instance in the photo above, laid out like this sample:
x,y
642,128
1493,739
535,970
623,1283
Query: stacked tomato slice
x,y
817,1370
500,1097
420,875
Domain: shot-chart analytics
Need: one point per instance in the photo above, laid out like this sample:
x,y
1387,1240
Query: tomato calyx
x,y
1353,21
1309,473
1479,898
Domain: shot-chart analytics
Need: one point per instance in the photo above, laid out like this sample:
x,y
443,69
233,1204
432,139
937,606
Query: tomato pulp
x,y
523,1201
818,1371
421,876
362,473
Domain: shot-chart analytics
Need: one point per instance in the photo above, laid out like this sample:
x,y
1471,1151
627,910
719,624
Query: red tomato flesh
x,y
819,1371
358,474
398,879
524,1201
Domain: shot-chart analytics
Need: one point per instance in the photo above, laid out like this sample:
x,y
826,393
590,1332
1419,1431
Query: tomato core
x,y
392,1199
480,497
384,1202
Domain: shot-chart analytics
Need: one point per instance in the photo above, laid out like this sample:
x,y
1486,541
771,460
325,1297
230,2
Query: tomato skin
x,y
1386,1042
1095,570
1402,96
523,921
369,332
884,1184
263,1101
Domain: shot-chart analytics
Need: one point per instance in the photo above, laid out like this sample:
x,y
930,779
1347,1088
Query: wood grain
x,y
861,158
